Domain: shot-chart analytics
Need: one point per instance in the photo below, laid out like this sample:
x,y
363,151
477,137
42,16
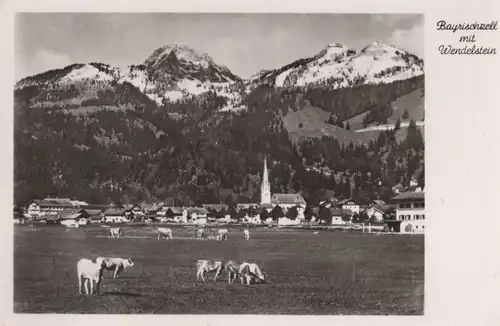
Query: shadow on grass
x,y
126,294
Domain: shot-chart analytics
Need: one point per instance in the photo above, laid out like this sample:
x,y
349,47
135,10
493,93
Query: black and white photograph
x,y
219,163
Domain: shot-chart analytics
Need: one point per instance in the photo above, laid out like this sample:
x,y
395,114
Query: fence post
x,y
54,261
354,273
412,276
141,270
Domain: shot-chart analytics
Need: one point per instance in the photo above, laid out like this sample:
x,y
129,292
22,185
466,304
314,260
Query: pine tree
x,y
397,126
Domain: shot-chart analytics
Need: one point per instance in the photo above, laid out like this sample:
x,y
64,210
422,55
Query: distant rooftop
x,y
409,196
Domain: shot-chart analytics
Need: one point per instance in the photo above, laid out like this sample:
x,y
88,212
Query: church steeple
x,y
265,189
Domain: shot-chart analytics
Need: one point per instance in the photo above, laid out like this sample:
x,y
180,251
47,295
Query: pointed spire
x,y
265,189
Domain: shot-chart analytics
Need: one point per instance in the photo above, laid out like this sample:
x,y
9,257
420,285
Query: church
x,y
286,201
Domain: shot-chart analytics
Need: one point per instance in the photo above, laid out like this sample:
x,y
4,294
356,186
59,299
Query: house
x,y
116,215
174,214
285,221
136,212
151,211
246,206
410,211
349,204
71,217
337,214
38,208
197,215
287,201
95,215
375,213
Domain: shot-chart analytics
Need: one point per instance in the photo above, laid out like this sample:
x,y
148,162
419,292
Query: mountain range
x,y
174,72
179,125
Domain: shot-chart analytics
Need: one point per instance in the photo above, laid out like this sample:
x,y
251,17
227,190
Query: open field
x,y
327,273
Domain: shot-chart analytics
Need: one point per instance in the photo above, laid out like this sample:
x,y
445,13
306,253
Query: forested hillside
x,y
100,138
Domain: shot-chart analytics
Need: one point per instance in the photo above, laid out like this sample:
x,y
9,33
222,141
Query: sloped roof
x,y
379,202
115,212
347,212
69,211
345,201
409,196
52,203
93,212
176,210
197,210
72,216
294,199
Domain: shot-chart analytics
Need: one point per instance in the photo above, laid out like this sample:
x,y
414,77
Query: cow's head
x,y
128,263
263,279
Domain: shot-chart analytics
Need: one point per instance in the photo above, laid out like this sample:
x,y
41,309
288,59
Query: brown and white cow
x,y
164,232
89,272
250,273
222,234
114,233
116,264
247,234
208,266
232,269
199,233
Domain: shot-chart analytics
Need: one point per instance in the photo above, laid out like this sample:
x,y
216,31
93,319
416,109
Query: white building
x,y
39,208
349,204
375,212
410,210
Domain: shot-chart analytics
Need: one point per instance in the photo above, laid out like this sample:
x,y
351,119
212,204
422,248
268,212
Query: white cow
x,y
89,272
116,264
114,233
165,232
199,233
247,234
222,234
232,269
250,272
208,266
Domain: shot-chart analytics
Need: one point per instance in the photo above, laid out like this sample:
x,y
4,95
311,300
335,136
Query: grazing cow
x,y
222,234
91,272
208,266
165,232
247,234
116,264
199,233
114,233
232,269
249,272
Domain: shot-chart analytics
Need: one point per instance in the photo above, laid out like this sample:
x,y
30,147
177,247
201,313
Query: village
x,y
405,213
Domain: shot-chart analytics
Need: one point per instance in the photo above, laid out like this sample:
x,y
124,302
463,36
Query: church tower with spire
x,y
265,189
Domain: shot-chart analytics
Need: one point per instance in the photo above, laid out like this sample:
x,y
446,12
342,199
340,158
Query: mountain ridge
x,y
176,71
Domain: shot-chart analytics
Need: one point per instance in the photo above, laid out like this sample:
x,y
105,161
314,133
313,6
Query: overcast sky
x,y
245,43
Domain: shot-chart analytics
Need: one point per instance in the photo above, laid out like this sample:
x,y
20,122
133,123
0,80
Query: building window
x,y
408,205
423,217
401,217
401,205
